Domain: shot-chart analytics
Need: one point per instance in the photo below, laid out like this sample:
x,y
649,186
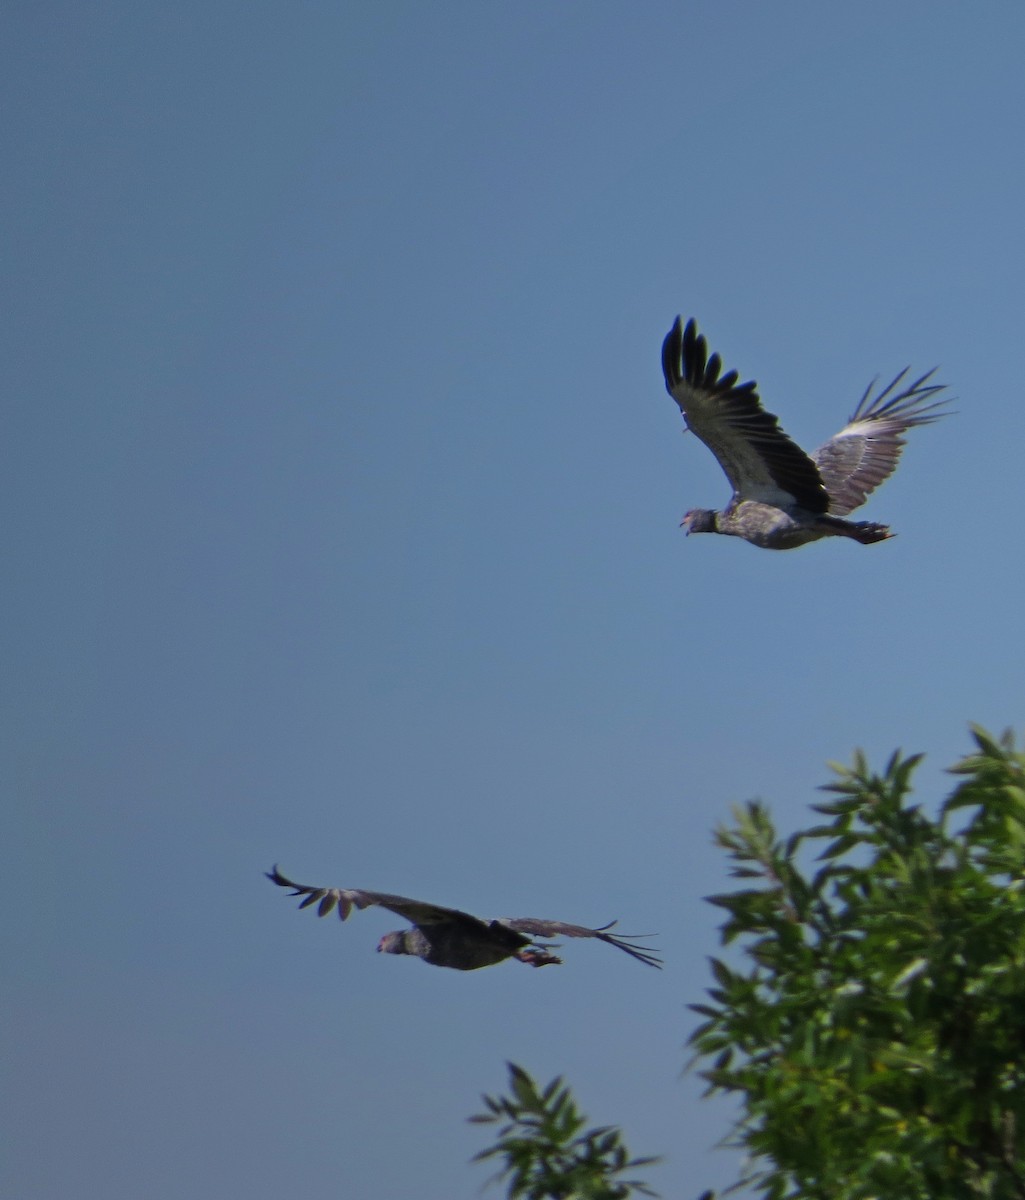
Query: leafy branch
x,y
548,1154
875,1034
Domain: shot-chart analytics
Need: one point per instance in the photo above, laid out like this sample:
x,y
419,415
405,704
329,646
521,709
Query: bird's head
x,y
699,520
396,943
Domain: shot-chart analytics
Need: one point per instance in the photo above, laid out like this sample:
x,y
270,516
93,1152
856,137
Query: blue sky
x,y
342,498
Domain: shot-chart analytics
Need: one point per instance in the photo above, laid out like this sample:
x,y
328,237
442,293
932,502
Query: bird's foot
x,y
537,956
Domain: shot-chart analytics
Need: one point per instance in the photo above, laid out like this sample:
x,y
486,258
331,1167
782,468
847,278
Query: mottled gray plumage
x,y
783,497
446,937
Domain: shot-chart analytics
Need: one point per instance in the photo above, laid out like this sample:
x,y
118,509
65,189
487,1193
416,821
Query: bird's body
x,y
446,937
769,527
448,945
775,528
783,497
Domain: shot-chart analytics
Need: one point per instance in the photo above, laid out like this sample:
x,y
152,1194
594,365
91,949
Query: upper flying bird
x,y
446,937
782,497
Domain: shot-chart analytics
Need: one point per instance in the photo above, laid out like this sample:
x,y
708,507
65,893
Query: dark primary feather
x,y
760,461
346,899
455,938
855,461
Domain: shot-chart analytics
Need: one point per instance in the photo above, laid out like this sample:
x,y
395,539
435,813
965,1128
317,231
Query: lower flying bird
x,y
446,937
783,497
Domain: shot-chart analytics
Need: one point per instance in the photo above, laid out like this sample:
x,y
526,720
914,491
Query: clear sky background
x,y
341,530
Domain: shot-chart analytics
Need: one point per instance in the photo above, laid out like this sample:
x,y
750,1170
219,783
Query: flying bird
x,y
783,497
446,937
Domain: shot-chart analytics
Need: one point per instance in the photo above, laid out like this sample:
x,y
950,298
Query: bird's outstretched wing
x,y
760,461
854,462
537,927
346,899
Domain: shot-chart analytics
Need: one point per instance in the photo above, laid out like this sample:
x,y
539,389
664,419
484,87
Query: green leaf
x,y
911,972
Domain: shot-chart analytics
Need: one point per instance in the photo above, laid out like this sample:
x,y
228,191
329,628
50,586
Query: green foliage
x,y
547,1153
876,1032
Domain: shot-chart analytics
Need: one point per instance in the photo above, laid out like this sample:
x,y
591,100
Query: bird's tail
x,y
865,532
868,532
